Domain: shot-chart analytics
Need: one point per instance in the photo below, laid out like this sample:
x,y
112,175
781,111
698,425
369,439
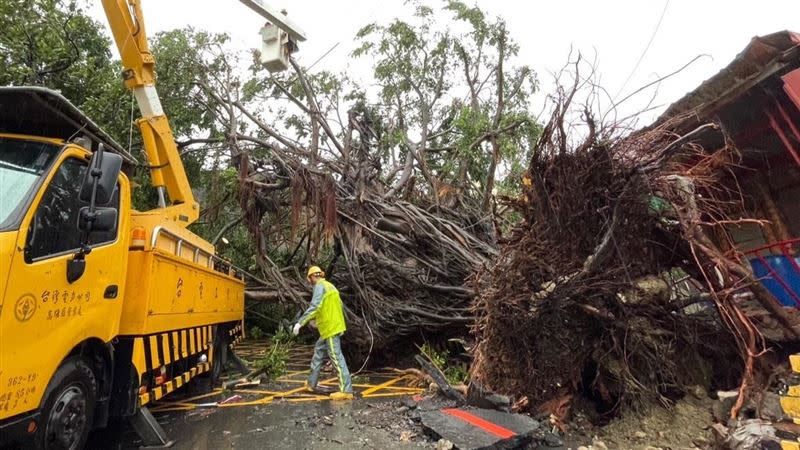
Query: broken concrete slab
x,y
476,428
481,397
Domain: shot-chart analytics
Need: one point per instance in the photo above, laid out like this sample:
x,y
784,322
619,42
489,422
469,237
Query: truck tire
x,y
220,356
68,411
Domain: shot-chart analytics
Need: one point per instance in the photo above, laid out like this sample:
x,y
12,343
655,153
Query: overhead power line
x,y
644,52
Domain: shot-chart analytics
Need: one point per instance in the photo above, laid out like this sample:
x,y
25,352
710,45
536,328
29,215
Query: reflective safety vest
x,y
330,315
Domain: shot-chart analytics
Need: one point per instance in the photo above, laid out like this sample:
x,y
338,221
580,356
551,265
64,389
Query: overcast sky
x,y
617,31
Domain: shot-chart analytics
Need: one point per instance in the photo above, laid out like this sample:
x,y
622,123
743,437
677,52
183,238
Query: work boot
x,y
322,390
342,396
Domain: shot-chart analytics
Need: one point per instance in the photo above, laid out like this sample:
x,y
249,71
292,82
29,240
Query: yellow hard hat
x,y
315,270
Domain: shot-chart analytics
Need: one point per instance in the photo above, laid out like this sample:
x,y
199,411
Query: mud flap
x,y
148,428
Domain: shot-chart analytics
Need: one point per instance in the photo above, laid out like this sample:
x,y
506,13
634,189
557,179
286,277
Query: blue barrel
x,y
782,266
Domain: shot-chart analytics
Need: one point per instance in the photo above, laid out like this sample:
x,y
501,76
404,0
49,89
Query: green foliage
x,y
455,372
184,58
276,359
454,100
438,358
473,15
283,336
256,333
274,362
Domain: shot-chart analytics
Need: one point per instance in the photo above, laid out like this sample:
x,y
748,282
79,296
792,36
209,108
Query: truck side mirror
x,y
97,188
104,168
102,219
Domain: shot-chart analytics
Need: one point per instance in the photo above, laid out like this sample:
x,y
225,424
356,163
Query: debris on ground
x,y
751,434
241,383
474,428
480,397
681,426
441,382
444,444
232,399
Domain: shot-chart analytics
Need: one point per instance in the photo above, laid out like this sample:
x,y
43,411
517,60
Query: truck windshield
x,y
22,163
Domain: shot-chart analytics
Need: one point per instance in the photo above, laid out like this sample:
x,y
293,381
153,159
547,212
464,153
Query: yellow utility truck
x,y
103,309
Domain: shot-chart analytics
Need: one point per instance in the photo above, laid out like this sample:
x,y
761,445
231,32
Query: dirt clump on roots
x,y
682,426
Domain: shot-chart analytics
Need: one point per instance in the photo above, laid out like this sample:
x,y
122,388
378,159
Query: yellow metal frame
x,y
27,137
186,343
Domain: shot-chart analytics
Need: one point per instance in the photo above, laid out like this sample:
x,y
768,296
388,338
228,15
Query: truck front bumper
x,y
18,429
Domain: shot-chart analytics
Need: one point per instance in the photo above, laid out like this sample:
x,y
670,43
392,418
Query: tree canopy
x,y
282,164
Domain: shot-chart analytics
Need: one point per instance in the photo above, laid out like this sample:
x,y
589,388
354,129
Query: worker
x,y
326,310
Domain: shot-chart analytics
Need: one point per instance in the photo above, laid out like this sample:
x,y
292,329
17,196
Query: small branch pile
x,y
588,297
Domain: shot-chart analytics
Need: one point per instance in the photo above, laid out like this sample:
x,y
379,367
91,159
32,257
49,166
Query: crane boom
x,y
166,168
276,18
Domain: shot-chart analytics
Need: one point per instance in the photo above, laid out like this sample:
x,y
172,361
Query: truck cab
x,y
46,319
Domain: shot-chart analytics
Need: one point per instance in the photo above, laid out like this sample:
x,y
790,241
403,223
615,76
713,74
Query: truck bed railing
x,y
212,261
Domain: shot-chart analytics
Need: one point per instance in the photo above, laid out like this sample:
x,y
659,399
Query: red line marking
x,y
481,423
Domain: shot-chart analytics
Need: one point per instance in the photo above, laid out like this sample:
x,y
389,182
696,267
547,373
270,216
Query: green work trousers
x,y
332,347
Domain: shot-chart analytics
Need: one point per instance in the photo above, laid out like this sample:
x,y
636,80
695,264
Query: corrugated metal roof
x,y
764,56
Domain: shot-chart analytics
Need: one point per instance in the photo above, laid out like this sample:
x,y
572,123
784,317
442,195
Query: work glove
x,y
296,329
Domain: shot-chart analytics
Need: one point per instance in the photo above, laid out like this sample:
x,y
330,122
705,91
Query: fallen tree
x,y
613,287
400,267
392,196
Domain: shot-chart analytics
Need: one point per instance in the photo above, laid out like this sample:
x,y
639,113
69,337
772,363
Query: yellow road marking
x,y
309,399
383,385
388,394
258,391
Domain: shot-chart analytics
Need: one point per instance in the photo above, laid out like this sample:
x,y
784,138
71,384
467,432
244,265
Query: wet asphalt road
x,y
362,423
280,425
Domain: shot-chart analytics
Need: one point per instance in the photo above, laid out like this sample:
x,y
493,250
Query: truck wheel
x,y
68,410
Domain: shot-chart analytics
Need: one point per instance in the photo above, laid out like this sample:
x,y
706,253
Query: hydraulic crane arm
x,y
166,168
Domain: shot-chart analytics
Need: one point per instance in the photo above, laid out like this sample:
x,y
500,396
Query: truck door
x,y
51,316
